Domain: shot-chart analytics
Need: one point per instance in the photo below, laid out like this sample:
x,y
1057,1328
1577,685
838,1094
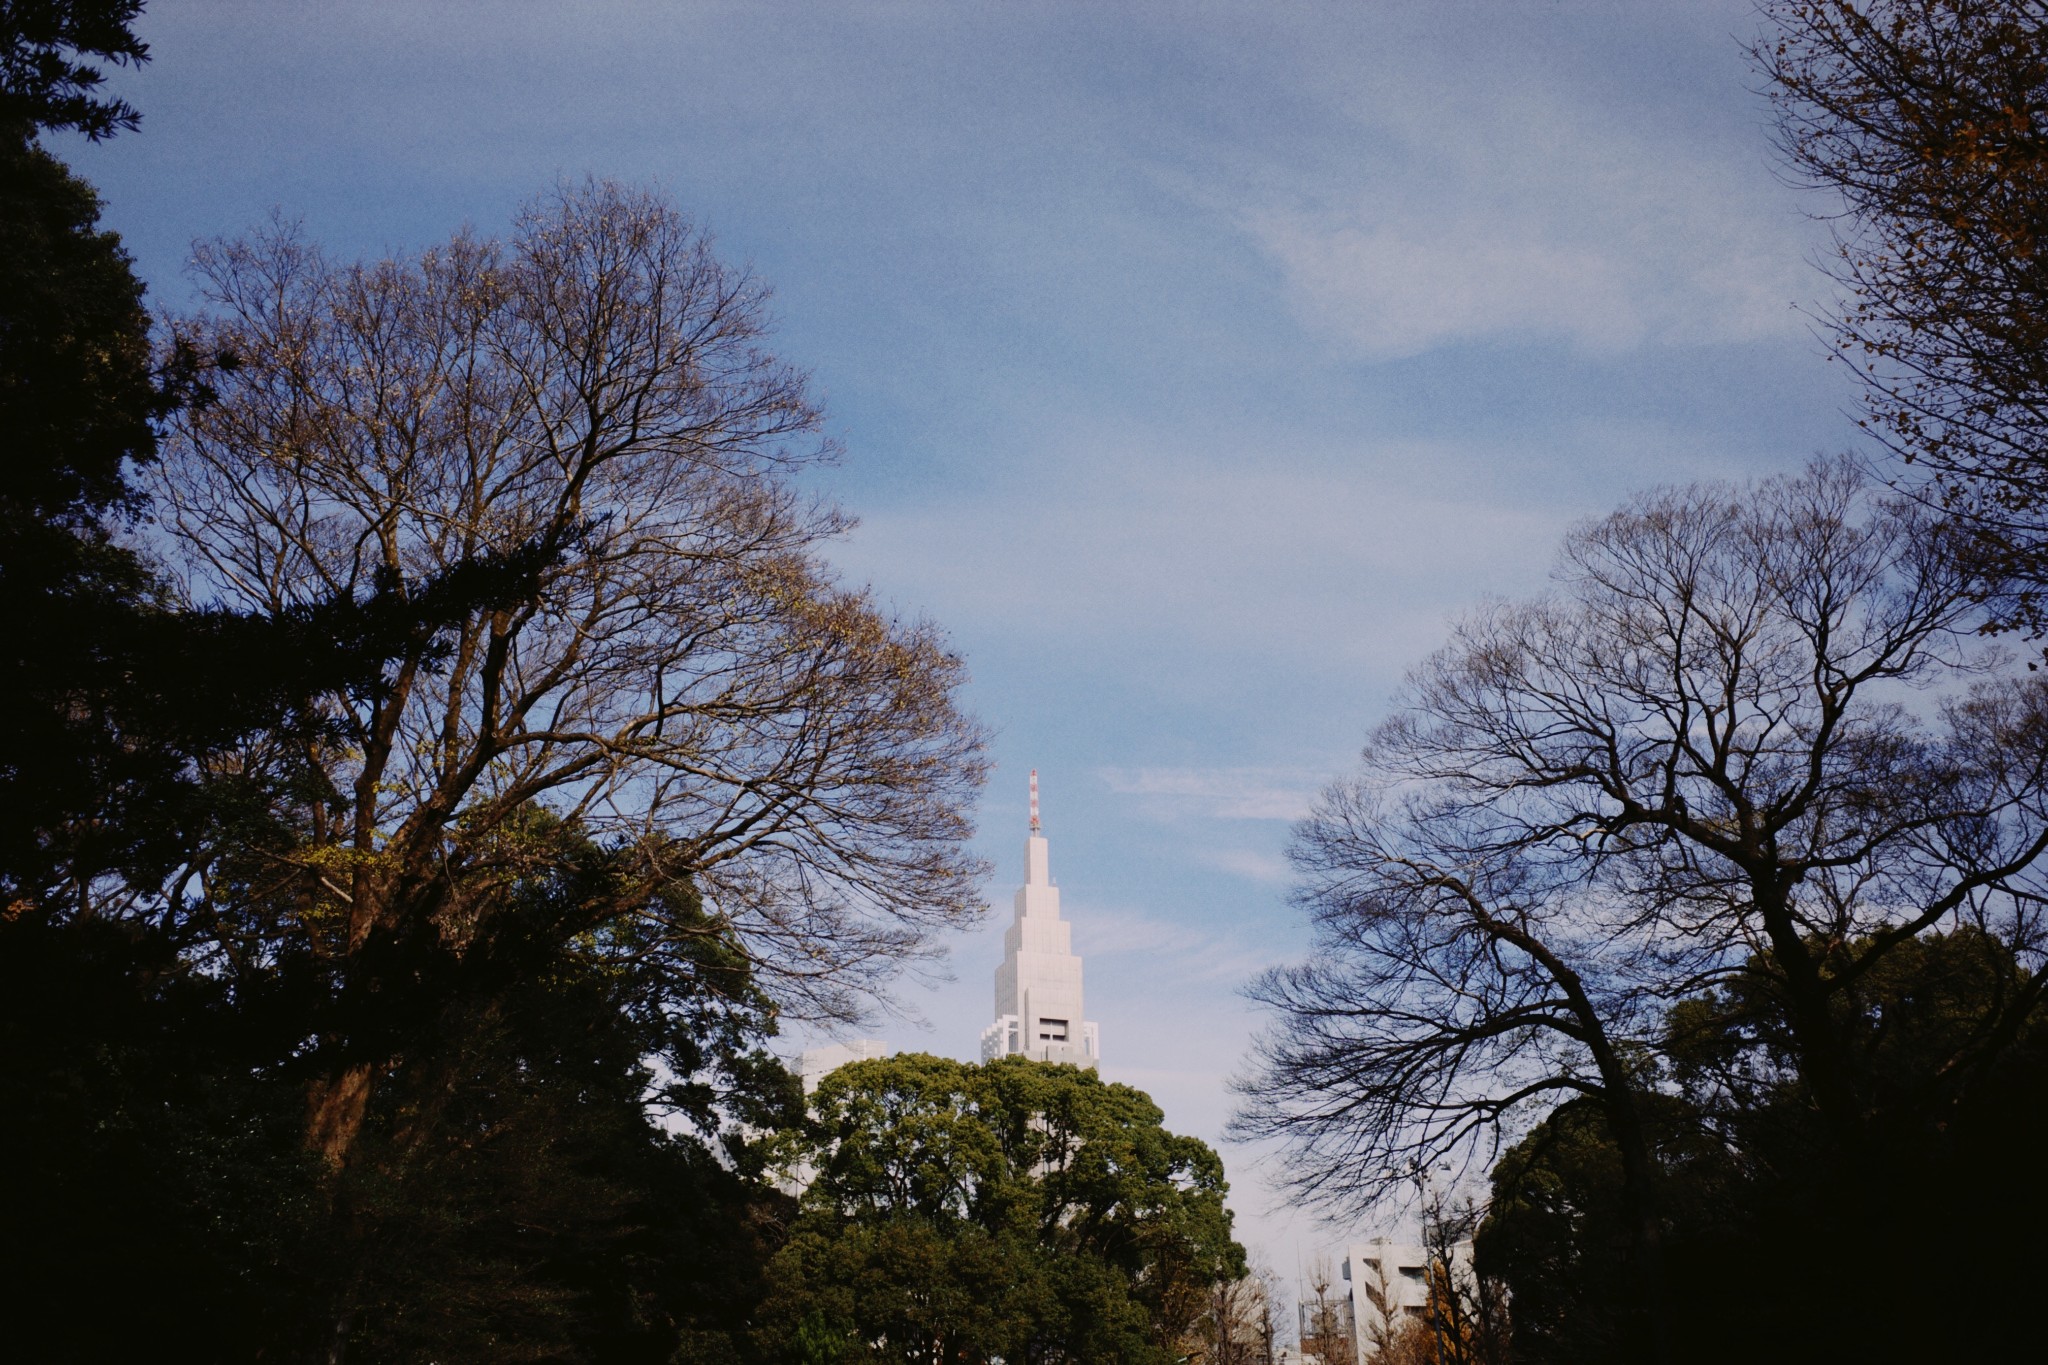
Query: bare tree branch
x,y
684,677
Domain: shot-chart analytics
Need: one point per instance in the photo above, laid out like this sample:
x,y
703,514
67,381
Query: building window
x,y
1052,1030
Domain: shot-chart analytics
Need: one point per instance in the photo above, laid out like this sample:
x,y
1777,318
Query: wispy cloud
x,y
1480,197
1223,793
1249,863
1394,281
1171,952
1142,545
1108,931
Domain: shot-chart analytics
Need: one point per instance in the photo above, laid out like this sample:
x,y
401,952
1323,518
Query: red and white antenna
x,y
1034,801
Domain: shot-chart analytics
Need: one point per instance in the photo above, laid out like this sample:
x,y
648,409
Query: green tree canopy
x,y
1019,1211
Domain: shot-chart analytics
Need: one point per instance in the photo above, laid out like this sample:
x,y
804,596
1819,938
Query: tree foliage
x,y
1020,1211
49,72
390,898
77,397
117,692
561,1170
1927,122
680,677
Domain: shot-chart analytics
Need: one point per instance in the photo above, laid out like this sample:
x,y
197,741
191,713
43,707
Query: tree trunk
x,y
1816,1035
1638,1162
1646,1230
334,1111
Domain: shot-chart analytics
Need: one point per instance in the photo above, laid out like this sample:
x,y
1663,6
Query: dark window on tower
x,y
1052,1030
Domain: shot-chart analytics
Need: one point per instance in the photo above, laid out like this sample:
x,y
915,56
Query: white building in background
x,y
820,1062
1038,987
1390,1286
815,1064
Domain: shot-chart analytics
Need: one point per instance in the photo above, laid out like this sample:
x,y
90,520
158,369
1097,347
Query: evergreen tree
x,y
1021,1211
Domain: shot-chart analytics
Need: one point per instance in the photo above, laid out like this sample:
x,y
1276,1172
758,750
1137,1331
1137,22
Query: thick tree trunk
x,y
1646,1228
1817,1035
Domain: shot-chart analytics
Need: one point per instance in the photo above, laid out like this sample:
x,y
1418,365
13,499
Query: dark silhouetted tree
x,y
51,52
1747,1169
1599,802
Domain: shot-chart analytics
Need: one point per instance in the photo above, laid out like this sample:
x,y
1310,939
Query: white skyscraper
x,y
819,1062
1038,987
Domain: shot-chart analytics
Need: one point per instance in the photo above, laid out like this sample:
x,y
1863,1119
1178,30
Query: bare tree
x,y
1326,1330
1694,758
1383,1297
682,680
1926,122
1467,1313
1237,1328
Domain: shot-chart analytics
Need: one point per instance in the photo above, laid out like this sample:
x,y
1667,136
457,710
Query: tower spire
x,y
1038,987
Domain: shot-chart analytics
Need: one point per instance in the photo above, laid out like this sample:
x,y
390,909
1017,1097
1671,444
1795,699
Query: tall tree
x,y
1926,123
166,769
684,680
76,401
114,691
78,394
1596,802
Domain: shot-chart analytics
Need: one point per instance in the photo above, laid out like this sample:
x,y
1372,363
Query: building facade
x,y
1326,1329
820,1062
1390,1285
1038,1009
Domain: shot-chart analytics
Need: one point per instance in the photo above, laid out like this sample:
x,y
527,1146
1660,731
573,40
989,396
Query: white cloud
x,y
1483,195
1107,931
1254,557
1391,290
1394,283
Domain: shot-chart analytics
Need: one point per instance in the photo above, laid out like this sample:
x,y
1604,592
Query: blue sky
x,y
1195,362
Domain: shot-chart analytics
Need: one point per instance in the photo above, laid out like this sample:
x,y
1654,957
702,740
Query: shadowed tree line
x,y
1677,835
1930,1258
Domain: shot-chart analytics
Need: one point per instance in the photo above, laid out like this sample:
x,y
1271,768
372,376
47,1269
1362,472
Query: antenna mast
x,y
1034,802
